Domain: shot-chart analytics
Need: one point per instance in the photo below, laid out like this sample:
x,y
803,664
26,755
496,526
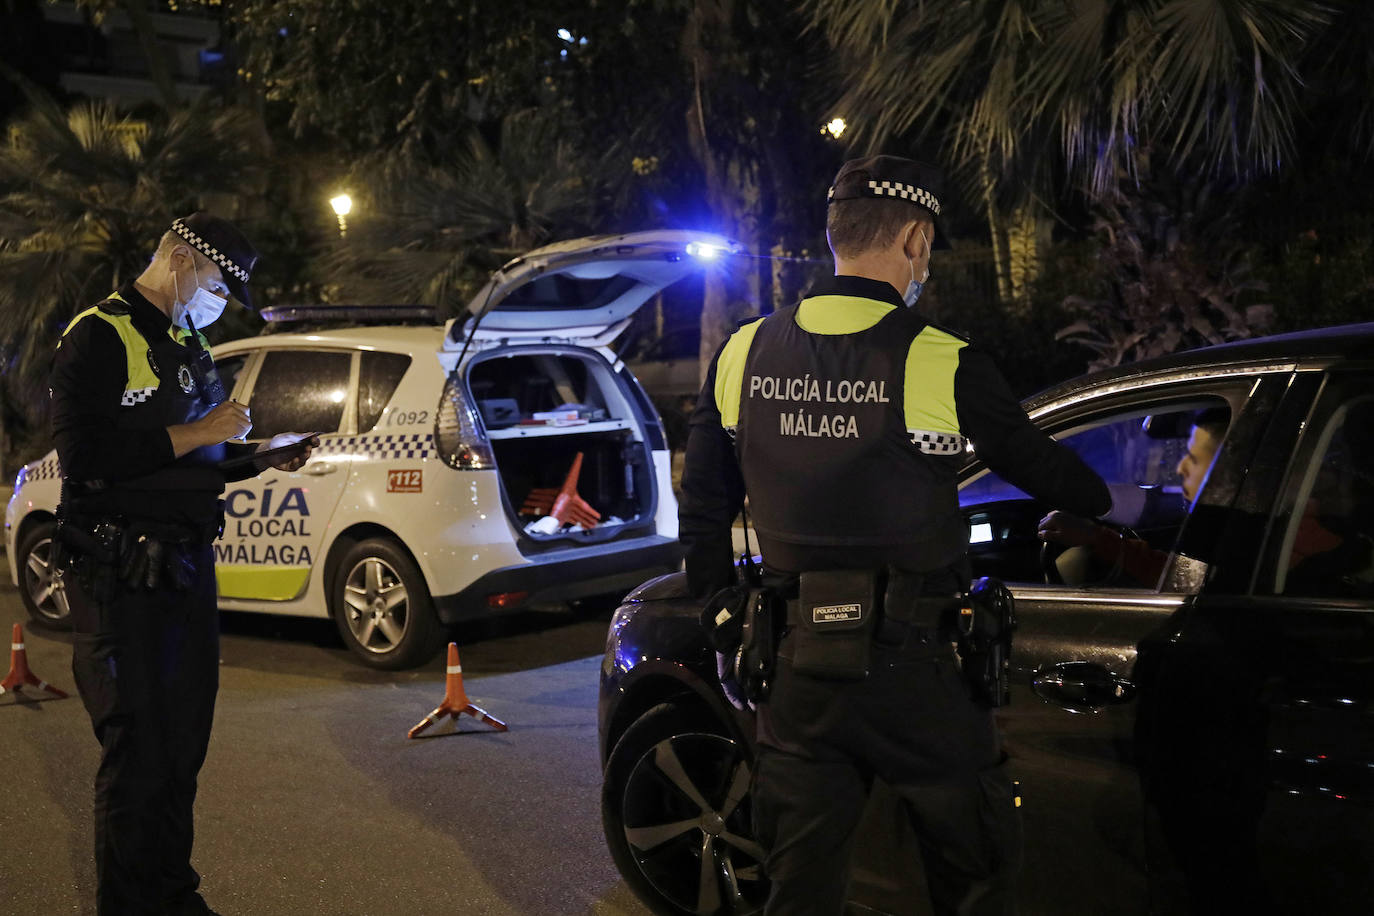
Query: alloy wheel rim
x,y
44,584
687,822
376,604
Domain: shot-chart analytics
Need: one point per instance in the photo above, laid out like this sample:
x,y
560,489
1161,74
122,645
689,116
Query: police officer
x,y
846,418
141,422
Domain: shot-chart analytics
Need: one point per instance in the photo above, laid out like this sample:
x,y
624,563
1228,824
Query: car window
x,y
1137,452
299,391
1328,546
378,376
229,368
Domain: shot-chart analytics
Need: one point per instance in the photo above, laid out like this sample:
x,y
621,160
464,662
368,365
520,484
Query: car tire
x,y
39,586
675,807
382,607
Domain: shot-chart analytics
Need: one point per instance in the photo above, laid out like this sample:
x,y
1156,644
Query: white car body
x,y
401,479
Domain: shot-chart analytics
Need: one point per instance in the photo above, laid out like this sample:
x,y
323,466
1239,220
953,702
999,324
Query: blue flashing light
x,y
704,250
565,35
20,478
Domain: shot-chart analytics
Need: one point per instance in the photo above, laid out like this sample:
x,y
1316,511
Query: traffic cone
x,y
564,503
571,508
20,675
455,700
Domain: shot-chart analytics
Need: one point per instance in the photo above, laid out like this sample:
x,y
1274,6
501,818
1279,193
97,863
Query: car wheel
x,y
675,806
382,607
39,585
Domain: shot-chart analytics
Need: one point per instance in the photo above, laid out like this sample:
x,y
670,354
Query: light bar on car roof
x,y
350,313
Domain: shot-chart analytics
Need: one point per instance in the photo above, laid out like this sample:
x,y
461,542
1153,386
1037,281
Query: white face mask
x,y
201,310
916,287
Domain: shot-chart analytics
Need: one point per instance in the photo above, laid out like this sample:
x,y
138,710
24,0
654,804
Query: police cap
x,y
221,242
892,177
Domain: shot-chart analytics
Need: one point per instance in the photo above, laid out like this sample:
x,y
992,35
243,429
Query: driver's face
x,y
1193,467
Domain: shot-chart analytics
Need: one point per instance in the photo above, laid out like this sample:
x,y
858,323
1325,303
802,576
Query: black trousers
x,y
147,666
913,724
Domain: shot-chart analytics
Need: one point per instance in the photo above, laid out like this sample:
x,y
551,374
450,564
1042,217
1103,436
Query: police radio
x,y
211,387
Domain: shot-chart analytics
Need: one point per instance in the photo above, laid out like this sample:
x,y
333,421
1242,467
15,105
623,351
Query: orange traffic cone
x,y
20,675
455,700
564,503
571,508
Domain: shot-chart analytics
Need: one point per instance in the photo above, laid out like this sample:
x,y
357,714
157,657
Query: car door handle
x,y
319,468
1081,686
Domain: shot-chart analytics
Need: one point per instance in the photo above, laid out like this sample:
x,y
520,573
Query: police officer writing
x,y
845,419
141,426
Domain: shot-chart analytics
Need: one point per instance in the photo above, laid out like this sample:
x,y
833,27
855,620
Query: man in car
x,y
141,426
1134,556
846,418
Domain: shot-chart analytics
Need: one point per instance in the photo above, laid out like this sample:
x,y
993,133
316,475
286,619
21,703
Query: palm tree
x,y
1022,95
84,195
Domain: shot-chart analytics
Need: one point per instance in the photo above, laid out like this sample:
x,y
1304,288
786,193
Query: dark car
x,y
1204,739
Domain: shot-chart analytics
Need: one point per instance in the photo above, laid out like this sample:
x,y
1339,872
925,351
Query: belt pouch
x,y
834,626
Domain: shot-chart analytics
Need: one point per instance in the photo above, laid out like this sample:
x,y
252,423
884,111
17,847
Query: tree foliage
x,y
1171,275
1036,102
368,74
433,231
1033,88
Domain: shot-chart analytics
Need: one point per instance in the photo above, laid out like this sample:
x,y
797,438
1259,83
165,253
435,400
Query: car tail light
x,y
506,599
458,432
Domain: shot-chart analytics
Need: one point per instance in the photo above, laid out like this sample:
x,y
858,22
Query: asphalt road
x,y
313,801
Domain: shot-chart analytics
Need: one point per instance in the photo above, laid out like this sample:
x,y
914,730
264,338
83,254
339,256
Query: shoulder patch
x,y
113,306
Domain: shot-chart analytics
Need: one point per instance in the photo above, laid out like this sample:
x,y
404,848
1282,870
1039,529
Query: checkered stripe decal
x,y
380,448
906,192
47,469
937,443
210,251
136,396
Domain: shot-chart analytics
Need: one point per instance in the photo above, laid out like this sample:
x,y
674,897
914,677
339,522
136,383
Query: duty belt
x,y
902,603
170,532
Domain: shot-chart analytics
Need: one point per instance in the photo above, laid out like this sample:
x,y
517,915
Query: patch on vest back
x,y
837,613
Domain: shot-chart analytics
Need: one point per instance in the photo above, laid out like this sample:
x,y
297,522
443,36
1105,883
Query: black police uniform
x,y
850,417
146,652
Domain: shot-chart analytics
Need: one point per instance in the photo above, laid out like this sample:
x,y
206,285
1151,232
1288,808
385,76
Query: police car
x,y
443,451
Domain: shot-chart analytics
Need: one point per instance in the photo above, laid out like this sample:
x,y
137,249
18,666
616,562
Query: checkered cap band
x,y
136,396
905,192
380,447
899,190
210,251
930,443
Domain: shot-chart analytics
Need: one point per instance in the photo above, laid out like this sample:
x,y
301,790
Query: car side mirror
x,y
1081,686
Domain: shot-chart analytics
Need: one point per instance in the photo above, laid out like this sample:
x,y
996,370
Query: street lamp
x,y
342,205
834,127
